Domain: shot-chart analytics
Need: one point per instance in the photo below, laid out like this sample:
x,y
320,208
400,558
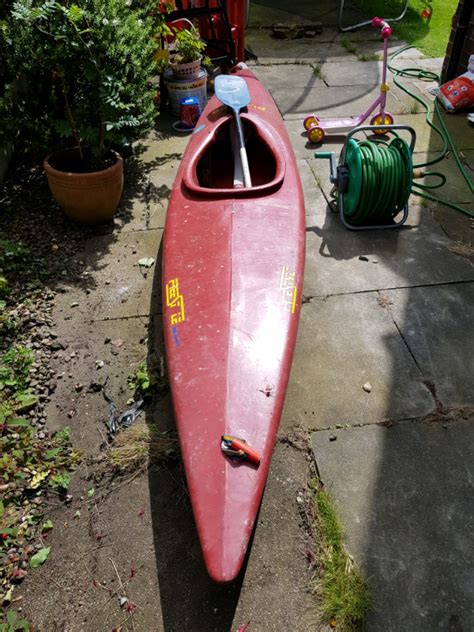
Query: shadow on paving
x,y
64,254
189,599
393,308
405,490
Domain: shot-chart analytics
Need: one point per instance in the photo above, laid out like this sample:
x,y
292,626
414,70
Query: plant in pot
x,y
187,57
85,88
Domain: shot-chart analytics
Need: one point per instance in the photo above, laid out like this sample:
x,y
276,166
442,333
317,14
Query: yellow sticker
x,y
175,301
262,108
288,288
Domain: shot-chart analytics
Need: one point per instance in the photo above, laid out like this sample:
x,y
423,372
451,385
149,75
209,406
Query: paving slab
x,y
433,64
269,48
275,593
459,129
437,325
323,10
314,200
355,73
115,286
416,254
406,499
333,102
455,189
457,226
302,148
291,77
120,346
344,342
369,47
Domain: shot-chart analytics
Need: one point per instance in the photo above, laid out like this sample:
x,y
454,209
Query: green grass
x,y
429,36
344,597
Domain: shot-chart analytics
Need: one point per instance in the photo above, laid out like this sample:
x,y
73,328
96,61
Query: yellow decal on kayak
x,y
262,108
175,301
288,288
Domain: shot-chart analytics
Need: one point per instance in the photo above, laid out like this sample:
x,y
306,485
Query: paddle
x,y
233,92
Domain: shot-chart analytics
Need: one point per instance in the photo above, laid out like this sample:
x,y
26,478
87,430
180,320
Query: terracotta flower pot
x,y
85,197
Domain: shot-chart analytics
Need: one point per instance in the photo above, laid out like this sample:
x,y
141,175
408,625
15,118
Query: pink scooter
x,y
318,129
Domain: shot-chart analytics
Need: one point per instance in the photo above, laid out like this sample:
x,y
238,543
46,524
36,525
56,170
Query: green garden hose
x,y
448,144
380,181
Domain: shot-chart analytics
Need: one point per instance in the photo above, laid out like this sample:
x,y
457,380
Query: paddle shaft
x,y
242,150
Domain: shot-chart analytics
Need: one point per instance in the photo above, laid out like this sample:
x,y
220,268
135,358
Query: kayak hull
x,y
233,263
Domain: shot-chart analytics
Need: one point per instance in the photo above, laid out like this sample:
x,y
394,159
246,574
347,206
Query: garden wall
x,y
456,69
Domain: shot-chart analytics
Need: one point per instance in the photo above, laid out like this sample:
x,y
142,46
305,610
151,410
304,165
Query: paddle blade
x,y
232,91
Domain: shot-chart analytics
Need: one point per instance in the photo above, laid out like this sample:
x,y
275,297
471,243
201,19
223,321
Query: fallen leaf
x,y
146,262
47,526
40,558
7,597
38,479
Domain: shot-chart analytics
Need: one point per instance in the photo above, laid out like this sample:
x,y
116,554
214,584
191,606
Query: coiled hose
x,y
448,144
380,181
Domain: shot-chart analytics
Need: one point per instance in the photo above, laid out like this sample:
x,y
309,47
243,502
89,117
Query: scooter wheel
x,y
310,121
316,134
386,119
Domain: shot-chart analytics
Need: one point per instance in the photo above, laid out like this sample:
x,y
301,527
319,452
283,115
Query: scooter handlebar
x,y
385,28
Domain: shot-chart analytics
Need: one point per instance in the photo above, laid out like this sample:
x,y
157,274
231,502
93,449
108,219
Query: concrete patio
x,y
390,308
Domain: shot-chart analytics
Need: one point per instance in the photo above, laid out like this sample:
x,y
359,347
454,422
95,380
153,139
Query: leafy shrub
x,y
82,73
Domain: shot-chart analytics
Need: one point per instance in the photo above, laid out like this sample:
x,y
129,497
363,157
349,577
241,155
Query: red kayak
x,y
233,263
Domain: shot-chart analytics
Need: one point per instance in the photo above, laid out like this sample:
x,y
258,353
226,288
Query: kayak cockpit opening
x,y
219,166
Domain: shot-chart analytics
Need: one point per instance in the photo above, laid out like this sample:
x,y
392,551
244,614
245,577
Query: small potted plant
x,y
187,57
85,91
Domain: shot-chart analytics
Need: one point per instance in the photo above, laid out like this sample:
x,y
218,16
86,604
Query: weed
x,y
8,324
349,45
140,380
145,382
415,107
13,623
344,597
368,57
29,466
13,256
14,379
140,444
318,73
3,287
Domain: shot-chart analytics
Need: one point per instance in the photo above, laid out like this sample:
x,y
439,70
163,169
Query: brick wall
x,y
468,46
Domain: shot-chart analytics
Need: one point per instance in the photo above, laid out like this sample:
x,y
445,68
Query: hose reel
x,y
373,179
